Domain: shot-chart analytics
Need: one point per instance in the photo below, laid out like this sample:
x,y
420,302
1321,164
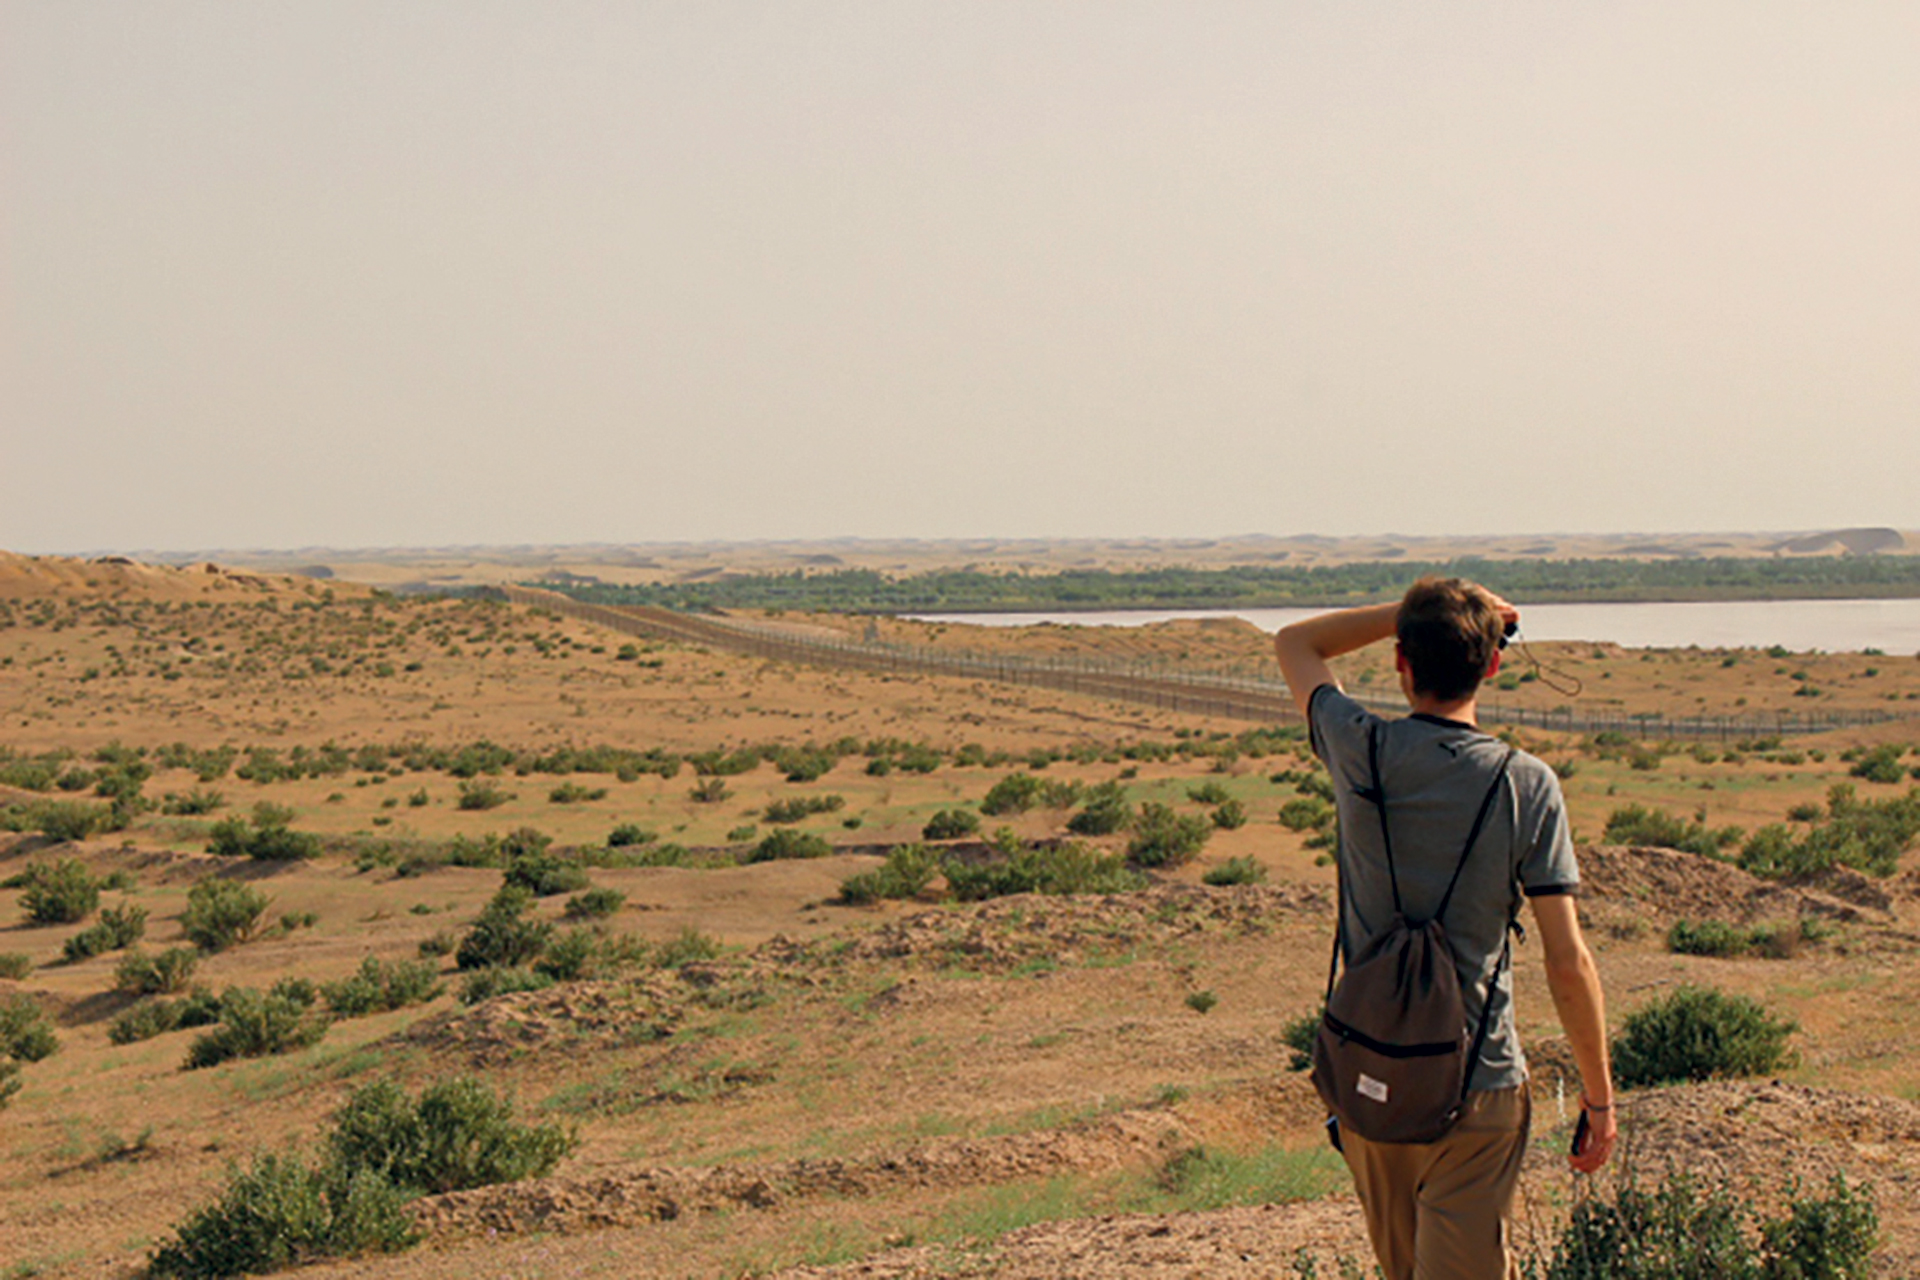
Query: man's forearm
x,y
1328,635
1577,998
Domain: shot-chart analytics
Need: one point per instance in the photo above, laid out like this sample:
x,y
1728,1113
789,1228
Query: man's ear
x,y
1399,658
1493,668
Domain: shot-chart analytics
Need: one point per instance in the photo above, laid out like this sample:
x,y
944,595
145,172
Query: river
x,y
1891,626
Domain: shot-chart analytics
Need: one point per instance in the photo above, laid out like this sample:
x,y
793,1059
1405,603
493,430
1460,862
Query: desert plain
x,y
767,1078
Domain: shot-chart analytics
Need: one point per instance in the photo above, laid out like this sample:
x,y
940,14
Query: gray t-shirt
x,y
1435,774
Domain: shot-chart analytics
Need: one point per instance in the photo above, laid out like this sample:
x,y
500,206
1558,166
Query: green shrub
x,y
1067,868
1308,813
1637,825
1681,1232
144,1021
1208,792
1881,764
193,803
709,791
789,843
1014,793
256,1024
58,893
1298,1035
500,980
458,1135
595,904
689,946
502,936
796,808
142,974
1698,1033
544,876
574,793
268,838
116,928
379,986
15,965
280,1213
1106,811
908,870
1163,838
26,1033
1868,836
1236,871
629,833
478,794
1230,815
441,943
66,820
950,824
221,913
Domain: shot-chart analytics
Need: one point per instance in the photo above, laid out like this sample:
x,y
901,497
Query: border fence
x,y
1234,695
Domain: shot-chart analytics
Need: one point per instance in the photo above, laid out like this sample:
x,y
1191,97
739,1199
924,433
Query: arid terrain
x,y
767,1079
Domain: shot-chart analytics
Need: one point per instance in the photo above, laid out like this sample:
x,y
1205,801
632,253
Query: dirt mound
x,y
1668,885
580,1014
1006,932
657,1195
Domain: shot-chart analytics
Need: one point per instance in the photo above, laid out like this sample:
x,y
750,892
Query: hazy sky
x,y
285,273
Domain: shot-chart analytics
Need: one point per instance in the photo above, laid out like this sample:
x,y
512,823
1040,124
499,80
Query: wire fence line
x,y
1236,693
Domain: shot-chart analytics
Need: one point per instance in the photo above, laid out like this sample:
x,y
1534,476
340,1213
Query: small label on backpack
x,y
1371,1088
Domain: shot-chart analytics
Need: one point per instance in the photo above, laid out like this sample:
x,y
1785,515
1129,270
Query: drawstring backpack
x,y
1393,1057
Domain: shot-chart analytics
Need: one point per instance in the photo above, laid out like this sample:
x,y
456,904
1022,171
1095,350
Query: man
x,y
1440,1210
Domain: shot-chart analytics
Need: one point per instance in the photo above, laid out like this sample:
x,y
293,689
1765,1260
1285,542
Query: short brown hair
x,y
1449,632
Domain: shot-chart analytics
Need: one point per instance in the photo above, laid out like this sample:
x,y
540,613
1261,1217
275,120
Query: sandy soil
x,y
909,1089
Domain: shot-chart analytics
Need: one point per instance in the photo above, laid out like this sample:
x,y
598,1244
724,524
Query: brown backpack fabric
x,y
1394,1057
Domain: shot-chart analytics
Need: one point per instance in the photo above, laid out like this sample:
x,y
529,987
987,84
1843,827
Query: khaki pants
x,y
1439,1210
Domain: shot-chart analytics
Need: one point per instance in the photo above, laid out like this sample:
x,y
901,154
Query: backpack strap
x,y
1376,795
1479,821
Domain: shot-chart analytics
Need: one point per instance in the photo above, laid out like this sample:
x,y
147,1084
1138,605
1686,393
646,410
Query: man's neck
x,y
1460,711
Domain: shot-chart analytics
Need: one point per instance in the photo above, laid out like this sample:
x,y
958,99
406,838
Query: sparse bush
x,y
595,904
1208,792
438,944
117,927
458,1135
1714,938
545,876
1867,835
478,794
1202,1001
1106,811
58,893
381,986
797,808
254,1024
221,913
1236,871
1067,868
144,1021
280,1213
574,793
1298,1035
709,791
191,804
170,971
1680,1230
1308,813
268,838
1014,793
689,946
1698,1033
950,824
15,965
26,1033
1637,825
1230,815
629,833
1163,838
908,870
789,843
503,937
67,820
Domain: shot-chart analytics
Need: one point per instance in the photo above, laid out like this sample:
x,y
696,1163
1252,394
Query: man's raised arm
x,y
1304,647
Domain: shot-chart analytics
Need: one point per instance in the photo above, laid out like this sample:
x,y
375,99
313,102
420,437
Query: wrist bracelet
x,y
1588,1106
